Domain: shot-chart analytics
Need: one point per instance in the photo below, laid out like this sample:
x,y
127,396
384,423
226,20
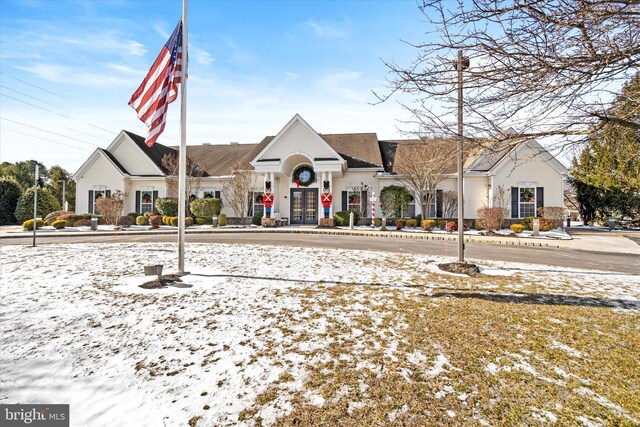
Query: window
x,y
95,195
354,200
256,205
146,201
527,201
211,194
410,210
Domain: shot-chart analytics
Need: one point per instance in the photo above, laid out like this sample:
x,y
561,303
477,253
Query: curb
x,y
388,235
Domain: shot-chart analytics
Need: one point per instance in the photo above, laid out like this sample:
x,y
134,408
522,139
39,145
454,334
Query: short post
x,y
35,207
536,227
351,220
373,201
612,223
384,224
94,223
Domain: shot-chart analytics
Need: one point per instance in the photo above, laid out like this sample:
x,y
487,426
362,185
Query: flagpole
x,y
182,180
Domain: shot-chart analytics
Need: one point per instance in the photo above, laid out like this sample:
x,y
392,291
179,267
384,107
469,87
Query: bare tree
x,y
236,191
362,193
501,198
111,207
422,165
538,68
195,172
449,204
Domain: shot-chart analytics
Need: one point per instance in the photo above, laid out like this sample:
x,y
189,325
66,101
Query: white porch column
x,y
319,199
274,209
330,179
264,187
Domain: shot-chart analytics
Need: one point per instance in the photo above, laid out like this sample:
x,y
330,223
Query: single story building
x,y
298,161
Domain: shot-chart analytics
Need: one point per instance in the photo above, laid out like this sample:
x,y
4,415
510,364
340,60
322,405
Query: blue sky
x,y
70,67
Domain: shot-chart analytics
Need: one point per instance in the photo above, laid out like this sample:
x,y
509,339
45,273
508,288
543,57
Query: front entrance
x,y
304,206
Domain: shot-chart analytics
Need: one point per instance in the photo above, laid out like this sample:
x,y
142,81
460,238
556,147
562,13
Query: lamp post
x,y
35,205
461,63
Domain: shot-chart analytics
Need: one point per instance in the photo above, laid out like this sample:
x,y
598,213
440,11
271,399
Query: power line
x,y
36,106
27,95
38,87
48,131
63,115
44,139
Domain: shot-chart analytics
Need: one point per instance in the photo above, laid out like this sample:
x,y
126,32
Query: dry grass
x,y
509,359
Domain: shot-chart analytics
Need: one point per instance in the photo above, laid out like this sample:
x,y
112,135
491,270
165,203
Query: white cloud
x,y
344,84
65,74
290,76
200,56
326,30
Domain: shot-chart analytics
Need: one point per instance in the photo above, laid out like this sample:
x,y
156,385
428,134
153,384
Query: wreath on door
x,y
304,176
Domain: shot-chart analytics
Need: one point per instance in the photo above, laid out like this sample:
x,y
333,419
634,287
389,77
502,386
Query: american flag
x,y
159,88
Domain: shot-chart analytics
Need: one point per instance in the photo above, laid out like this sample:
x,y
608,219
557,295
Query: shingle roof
x,y
395,151
360,150
360,146
219,160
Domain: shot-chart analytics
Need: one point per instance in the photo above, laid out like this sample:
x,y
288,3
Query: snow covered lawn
x,y
259,335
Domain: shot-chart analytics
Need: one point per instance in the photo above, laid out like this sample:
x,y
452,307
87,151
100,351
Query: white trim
x,y
285,129
535,200
91,160
540,152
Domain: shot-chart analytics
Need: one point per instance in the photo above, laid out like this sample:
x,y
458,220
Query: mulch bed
x,y
461,268
161,282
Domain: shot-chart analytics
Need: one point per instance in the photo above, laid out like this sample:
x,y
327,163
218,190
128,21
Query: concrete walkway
x,y
595,241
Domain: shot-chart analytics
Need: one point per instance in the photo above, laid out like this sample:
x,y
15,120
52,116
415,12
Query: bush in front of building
x,y
167,206
341,218
207,207
517,228
150,214
55,215
491,218
142,220
412,222
428,224
10,192
200,220
28,224
133,215
553,214
173,221
47,203
545,224
59,224
188,221
257,218
451,226
154,221
82,222
125,221
222,220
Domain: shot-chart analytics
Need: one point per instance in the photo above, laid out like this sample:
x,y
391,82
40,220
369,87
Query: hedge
x,y
10,193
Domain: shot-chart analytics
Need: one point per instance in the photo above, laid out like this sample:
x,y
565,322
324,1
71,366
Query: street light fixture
x,y
461,63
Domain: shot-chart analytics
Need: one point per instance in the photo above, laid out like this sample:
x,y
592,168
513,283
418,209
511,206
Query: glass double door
x,y
304,206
